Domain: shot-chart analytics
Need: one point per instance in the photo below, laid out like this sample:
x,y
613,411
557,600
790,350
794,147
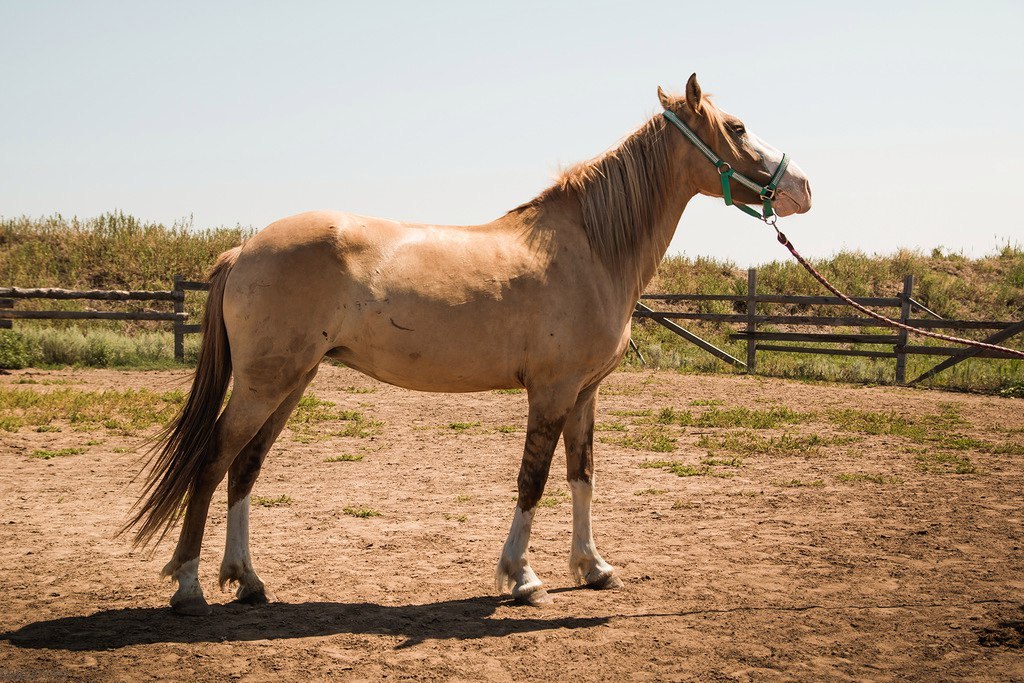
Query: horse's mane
x,y
622,191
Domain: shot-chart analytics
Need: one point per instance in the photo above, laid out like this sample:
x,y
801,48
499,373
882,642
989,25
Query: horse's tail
x,y
185,445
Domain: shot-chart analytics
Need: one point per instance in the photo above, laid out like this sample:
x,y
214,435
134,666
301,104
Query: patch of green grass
x,y
462,426
650,492
609,427
855,477
360,511
463,498
723,462
631,413
48,428
124,411
749,418
508,429
509,391
122,449
653,438
10,423
358,390
750,443
554,497
453,517
671,416
344,457
707,402
60,453
682,505
684,470
945,463
798,483
917,427
274,502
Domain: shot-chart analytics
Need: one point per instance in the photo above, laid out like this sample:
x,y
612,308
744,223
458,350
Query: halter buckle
x,y
724,167
768,193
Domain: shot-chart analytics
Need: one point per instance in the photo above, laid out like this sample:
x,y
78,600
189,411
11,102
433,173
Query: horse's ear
x,y
693,93
663,98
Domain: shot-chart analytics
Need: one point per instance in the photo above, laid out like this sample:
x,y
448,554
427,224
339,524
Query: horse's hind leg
x,y
548,411
237,564
584,561
246,412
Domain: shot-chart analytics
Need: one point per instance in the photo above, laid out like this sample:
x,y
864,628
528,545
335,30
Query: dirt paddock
x,y
864,533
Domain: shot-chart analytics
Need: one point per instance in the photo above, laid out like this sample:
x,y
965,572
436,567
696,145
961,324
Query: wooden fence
x,y
904,307
752,306
176,296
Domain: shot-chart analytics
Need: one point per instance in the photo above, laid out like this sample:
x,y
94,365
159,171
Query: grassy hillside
x,y
115,251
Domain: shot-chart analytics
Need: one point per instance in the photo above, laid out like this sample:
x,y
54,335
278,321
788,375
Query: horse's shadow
x,y
449,620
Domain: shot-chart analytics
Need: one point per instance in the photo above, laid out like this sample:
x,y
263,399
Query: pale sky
x,y
907,117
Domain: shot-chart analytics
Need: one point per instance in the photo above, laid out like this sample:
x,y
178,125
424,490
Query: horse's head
x,y
740,149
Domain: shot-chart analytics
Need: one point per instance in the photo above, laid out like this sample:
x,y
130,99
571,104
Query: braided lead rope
x,y
784,241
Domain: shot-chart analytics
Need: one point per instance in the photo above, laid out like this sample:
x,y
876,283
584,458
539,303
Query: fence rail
x,y
757,340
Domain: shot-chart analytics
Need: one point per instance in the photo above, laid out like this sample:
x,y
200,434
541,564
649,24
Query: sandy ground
x,y
739,577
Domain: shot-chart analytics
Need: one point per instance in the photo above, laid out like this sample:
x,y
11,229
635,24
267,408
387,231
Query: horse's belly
x,y
415,352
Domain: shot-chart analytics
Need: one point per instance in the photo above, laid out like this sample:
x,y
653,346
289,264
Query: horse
x,y
539,299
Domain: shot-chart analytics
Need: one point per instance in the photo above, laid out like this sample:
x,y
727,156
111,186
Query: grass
x,y
345,457
655,438
125,412
650,492
283,500
684,470
507,429
360,511
311,412
462,426
945,463
554,497
60,453
751,443
750,418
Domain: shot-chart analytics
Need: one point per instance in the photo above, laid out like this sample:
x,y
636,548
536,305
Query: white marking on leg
x,y
187,576
514,566
236,547
585,562
237,564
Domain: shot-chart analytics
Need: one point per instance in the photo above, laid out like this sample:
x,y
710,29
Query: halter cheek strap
x,y
727,173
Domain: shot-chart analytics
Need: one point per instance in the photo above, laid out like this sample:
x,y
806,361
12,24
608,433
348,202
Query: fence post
x,y
751,326
6,303
179,323
901,341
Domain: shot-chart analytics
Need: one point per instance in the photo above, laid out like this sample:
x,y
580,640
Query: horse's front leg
x,y
585,562
548,411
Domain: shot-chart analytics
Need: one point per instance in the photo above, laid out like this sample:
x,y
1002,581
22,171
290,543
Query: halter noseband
x,y
725,172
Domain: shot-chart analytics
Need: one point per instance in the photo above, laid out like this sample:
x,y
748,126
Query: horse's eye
x,y
739,130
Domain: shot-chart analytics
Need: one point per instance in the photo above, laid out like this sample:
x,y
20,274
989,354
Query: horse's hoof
x,y
257,597
537,598
606,583
193,607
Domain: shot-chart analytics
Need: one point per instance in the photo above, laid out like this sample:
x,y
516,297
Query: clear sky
x,y
908,117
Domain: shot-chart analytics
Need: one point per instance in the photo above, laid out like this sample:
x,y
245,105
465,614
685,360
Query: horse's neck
x,y
642,266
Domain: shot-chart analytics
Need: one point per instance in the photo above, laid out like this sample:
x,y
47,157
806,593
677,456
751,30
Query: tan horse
x,y
541,298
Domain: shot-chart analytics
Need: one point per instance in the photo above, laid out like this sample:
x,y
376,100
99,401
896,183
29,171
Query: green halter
x,y
725,171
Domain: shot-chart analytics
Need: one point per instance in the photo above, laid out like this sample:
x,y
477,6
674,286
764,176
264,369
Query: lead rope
x,y
784,241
